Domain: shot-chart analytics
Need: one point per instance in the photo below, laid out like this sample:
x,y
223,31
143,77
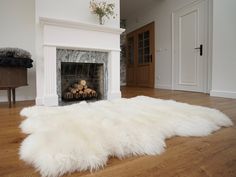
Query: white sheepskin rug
x,y
82,136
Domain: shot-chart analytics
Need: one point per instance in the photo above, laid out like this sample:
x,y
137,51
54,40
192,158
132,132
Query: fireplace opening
x,y
82,81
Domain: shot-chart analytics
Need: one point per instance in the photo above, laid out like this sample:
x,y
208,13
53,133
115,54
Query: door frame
x,y
208,25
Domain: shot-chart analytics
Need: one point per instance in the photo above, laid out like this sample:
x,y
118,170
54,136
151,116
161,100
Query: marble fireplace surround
x,y
64,34
81,56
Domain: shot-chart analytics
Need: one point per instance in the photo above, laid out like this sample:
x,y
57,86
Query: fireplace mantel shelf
x,y
79,25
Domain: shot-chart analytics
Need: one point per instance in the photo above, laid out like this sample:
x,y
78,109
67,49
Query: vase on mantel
x,y
101,20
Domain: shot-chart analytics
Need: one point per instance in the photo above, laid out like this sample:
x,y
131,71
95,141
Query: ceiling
x,y
128,7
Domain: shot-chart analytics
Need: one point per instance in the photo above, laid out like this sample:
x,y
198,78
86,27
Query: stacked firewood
x,y
79,91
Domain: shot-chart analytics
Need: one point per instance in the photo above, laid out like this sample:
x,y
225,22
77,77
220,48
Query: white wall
x,y
224,49
77,10
17,29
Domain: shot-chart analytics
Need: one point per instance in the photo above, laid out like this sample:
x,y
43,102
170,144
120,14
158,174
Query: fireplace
x,y
81,75
82,81
75,44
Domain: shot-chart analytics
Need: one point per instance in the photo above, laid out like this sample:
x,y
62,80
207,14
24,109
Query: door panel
x,y
131,60
142,70
188,57
143,75
189,34
131,76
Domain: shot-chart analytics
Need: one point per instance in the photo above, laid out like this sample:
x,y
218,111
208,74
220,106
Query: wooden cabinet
x,y
11,78
141,57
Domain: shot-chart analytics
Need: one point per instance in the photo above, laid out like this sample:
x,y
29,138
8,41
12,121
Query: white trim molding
x,y
224,94
163,86
3,98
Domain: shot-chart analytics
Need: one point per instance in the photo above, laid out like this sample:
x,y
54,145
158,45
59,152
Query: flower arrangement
x,y
102,9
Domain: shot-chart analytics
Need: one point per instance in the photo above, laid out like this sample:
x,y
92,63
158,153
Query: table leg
x,y
14,95
9,96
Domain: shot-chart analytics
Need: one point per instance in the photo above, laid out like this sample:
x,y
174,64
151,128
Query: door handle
x,y
201,49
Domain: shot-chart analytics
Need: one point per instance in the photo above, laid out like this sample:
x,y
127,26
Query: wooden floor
x,y
212,156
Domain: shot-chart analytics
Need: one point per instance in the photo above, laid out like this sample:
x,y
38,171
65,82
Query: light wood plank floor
x,y
212,156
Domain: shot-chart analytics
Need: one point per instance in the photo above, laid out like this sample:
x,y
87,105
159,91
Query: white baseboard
x,y
225,94
18,98
162,86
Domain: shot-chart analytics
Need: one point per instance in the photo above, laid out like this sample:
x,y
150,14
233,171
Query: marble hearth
x,y
66,41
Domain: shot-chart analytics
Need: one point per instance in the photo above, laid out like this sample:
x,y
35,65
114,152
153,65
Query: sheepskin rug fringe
x,y
82,136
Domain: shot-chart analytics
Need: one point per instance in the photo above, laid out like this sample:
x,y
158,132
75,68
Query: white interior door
x,y
189,70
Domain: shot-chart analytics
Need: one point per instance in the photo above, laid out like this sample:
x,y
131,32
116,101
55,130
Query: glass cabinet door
x,y
130,46
141,56
144,56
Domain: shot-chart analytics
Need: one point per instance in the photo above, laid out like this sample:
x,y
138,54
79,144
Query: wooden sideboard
x,y
10,79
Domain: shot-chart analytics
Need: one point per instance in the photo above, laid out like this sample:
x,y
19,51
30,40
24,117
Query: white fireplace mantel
x,y
79,25
60,33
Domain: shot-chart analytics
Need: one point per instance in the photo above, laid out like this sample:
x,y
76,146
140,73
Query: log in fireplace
x,y
82,81
79,91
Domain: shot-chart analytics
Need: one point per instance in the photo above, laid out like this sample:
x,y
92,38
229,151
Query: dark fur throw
x,y
14,52
16,62
15,57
